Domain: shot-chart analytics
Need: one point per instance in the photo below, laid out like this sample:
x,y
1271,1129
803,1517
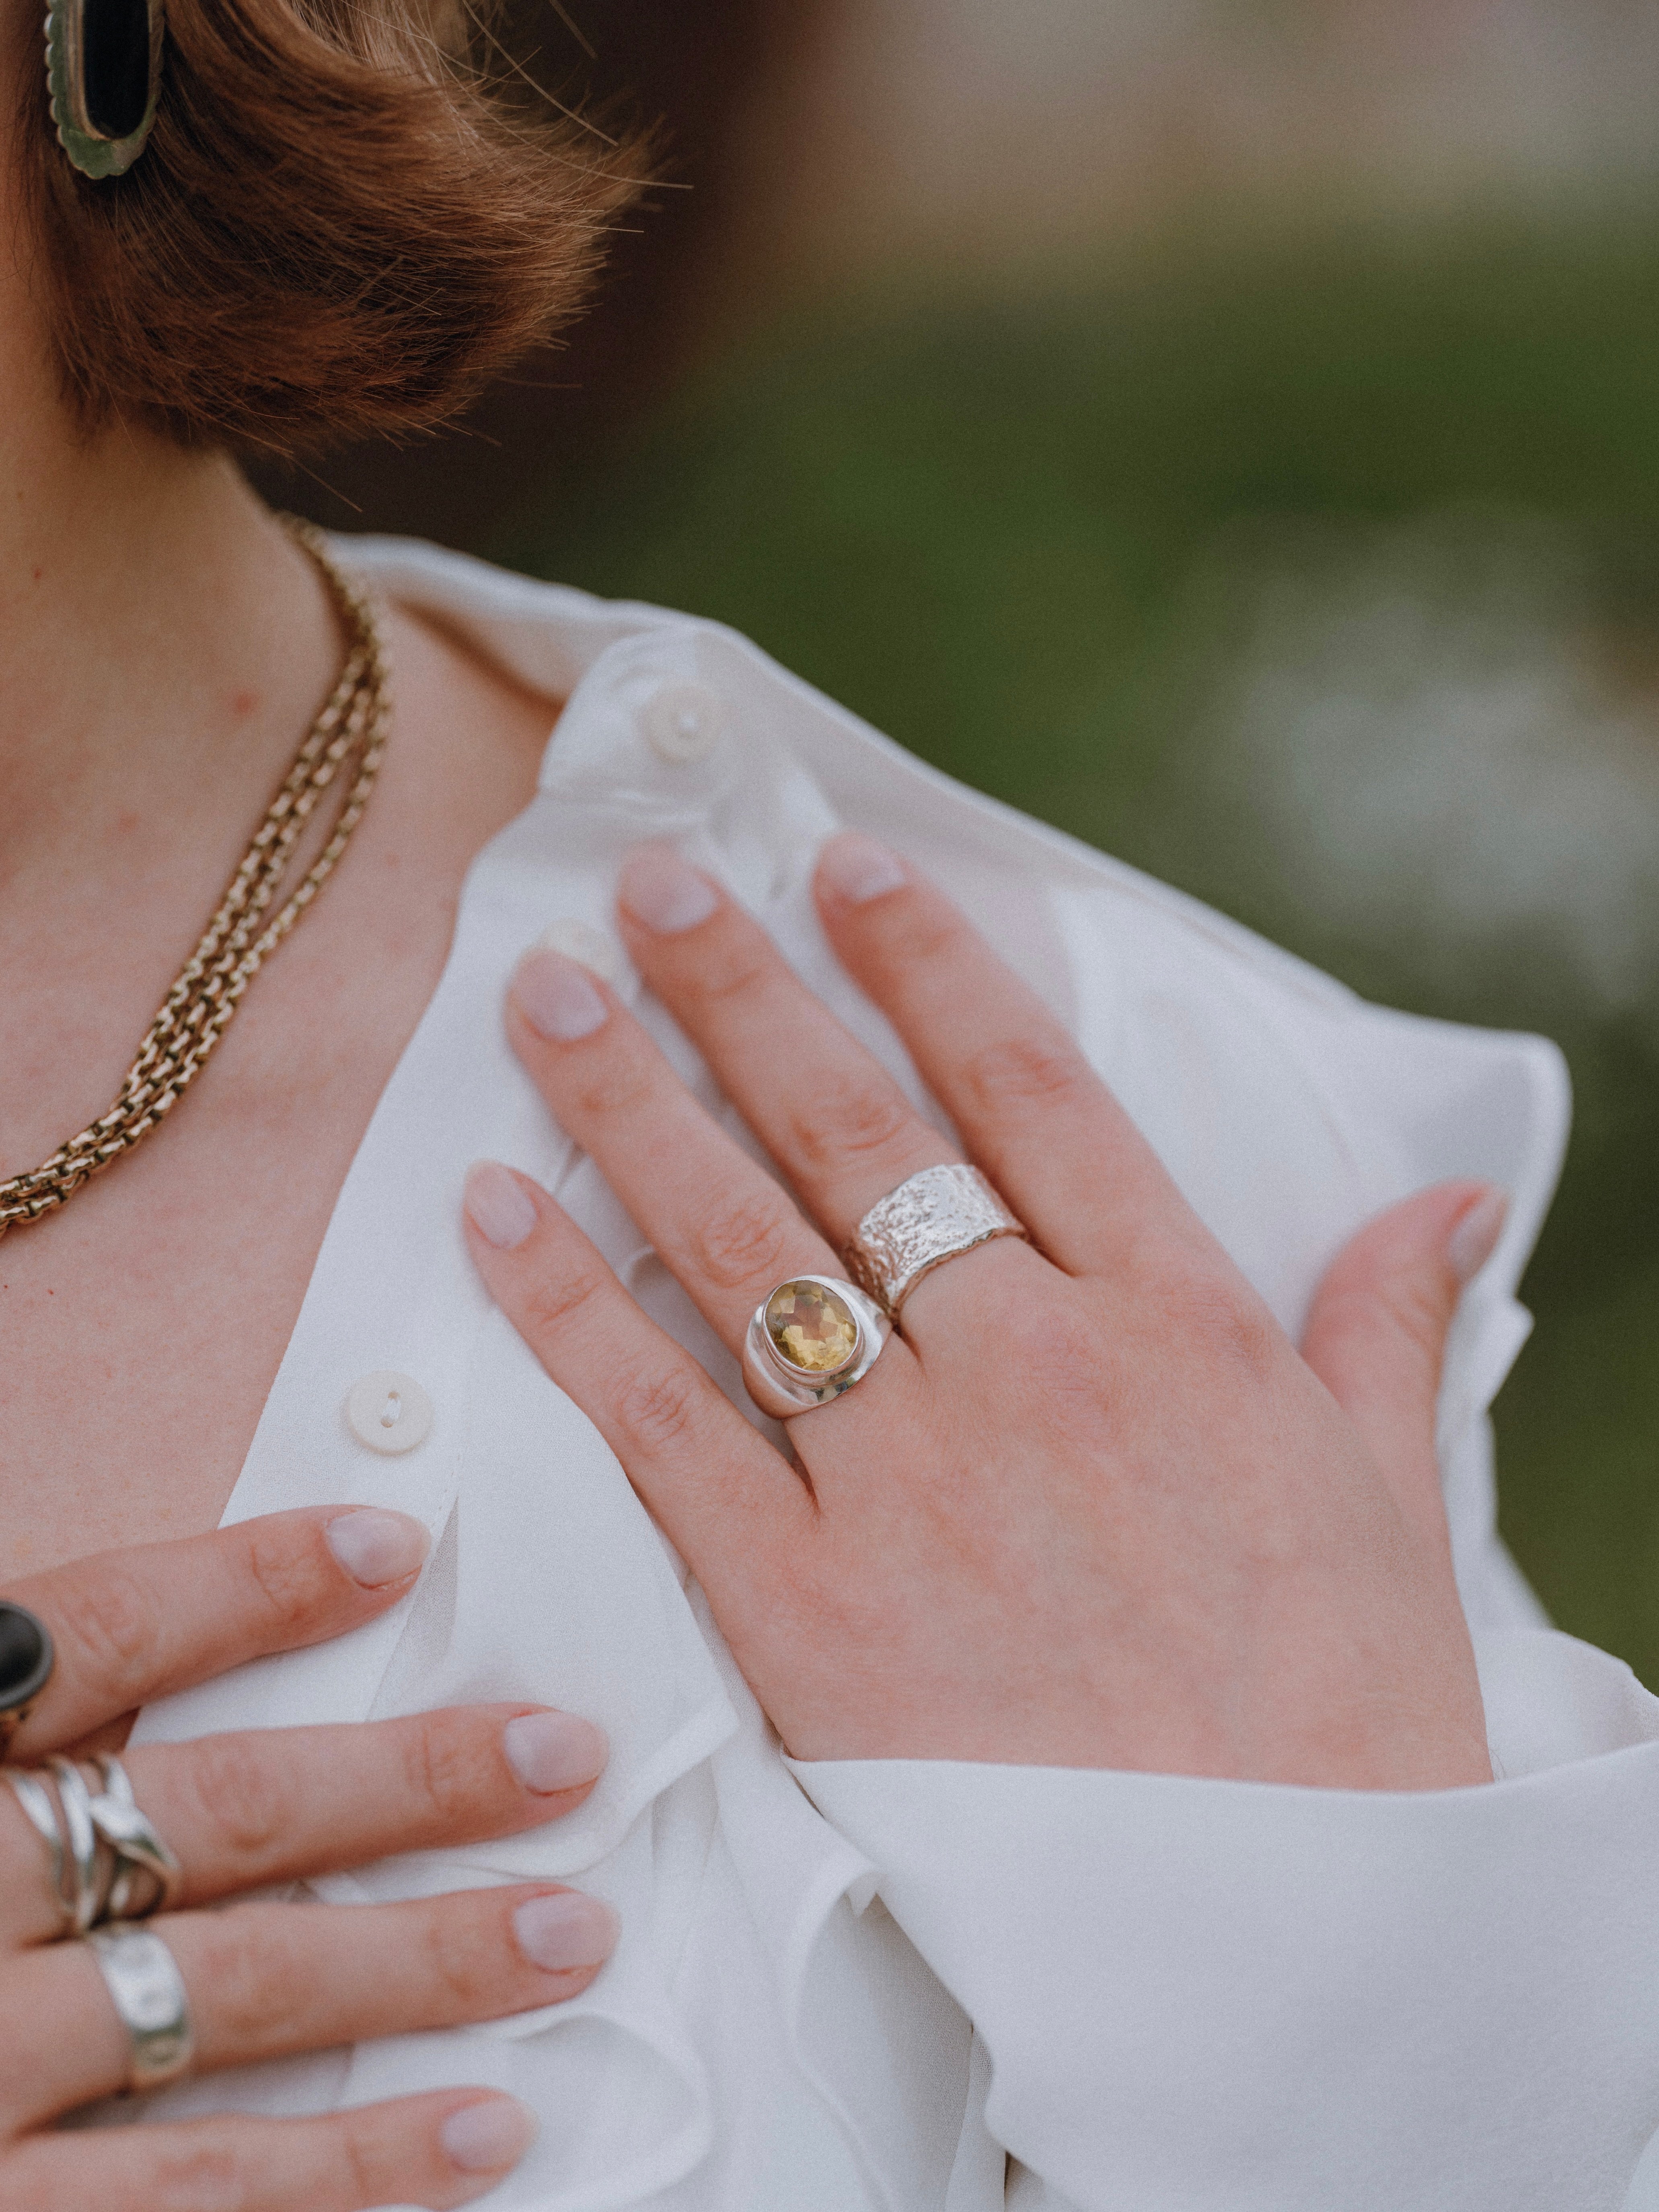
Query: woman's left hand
x,y
1091,1508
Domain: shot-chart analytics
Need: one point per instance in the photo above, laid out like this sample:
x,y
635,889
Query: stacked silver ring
x,y
109,1870
107,1861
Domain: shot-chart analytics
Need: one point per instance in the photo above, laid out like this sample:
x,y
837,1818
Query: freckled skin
x,y
143,1324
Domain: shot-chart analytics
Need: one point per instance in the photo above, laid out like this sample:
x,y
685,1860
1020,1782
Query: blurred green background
x,y
1273,502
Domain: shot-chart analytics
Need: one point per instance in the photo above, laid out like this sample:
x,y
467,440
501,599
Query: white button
x,y
388,1412
580,940
684,721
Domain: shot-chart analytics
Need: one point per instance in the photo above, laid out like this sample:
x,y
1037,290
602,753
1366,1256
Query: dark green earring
x,y
103,67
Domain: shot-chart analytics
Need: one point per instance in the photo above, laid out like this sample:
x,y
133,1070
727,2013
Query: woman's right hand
x,y
268,1980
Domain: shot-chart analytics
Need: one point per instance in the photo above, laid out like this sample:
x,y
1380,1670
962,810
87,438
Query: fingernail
x,y
488,2136
579,941
664,892
1470,1244
566,1930
376,1548
556,997
859,868
497,1204
554,1751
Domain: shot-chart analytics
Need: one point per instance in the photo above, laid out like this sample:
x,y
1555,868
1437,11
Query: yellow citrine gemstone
x,y
813,1329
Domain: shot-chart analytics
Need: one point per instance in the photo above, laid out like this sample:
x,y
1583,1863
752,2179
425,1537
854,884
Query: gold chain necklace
x,y
345,741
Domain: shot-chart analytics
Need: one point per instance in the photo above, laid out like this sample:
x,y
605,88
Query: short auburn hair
x,y
350,216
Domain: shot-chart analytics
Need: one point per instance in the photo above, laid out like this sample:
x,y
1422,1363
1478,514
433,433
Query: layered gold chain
x,y
342,749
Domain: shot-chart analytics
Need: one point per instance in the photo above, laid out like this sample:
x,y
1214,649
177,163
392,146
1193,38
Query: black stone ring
x,y
26,1662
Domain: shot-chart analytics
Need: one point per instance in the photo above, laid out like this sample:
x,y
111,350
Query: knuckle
x,y
285,1566
551,1302
239,1794
1411,1308
106,1624
614,1088
447,1771
1220,1318
207,2177
914,932
463,1963
658,1412
1026,1071
245,1964
1046,1337
739,1241
852,1118
732,967
363,2167
1055,1352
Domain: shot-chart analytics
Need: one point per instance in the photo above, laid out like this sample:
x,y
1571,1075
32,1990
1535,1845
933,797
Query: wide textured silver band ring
x,y
148,1991
930,1219
813,1338
26,1662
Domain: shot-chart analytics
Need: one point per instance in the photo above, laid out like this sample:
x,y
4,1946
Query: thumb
x,y
1376,1333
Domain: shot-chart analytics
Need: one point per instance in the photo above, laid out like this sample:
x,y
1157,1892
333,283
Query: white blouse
x,y
909,1986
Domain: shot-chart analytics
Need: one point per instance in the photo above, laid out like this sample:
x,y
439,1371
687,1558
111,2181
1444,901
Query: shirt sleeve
x,y
1222,1996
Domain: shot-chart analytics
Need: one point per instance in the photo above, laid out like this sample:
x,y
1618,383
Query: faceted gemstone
x,y
24,1656
813,1329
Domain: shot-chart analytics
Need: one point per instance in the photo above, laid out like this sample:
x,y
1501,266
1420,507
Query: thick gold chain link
x,y
346,740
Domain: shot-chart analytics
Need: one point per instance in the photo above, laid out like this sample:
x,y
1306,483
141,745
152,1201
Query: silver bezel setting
x,y
780,1389
92,153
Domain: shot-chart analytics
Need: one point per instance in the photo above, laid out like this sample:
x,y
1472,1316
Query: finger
x,y
443,2149
718,1221
133,1625
278,1804
716,1486
1376,1333
265,1981
825,1108
1031,1111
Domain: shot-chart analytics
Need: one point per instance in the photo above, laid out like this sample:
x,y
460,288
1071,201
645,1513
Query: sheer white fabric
x,y
1185,1996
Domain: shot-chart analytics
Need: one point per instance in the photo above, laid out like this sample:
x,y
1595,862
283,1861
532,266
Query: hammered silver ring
x,y
931,1218
148,1994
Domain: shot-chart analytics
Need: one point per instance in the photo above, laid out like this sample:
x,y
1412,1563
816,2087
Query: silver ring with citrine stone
x,y
812,1338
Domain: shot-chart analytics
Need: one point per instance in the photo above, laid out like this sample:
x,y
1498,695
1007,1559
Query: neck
x,y
163,645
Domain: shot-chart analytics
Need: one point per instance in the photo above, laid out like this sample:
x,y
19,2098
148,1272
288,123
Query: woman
x,y
1051,1768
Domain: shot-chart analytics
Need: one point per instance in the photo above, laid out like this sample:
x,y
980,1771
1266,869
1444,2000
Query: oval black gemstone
x,y
115,64
25,1656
